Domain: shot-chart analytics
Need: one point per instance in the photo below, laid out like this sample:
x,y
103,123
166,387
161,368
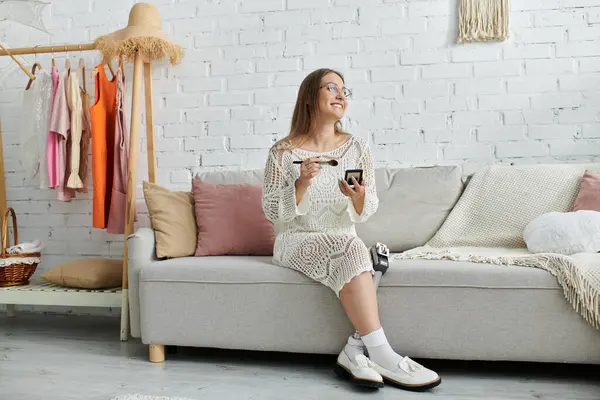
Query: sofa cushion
x,y
501,200
430,309
413,204
172,218
402,273
565,233
231,220
464,274
87,273
588,195
252,176
222,269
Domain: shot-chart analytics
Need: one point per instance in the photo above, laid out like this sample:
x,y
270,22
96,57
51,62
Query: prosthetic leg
x,y
359,370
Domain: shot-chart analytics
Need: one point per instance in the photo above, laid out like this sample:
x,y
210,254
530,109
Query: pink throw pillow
x,y
231,220
588,197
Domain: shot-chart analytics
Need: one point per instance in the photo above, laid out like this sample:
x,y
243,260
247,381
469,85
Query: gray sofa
x,y
429,309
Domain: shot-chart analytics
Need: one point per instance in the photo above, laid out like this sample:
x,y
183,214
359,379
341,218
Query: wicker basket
x,y
15,273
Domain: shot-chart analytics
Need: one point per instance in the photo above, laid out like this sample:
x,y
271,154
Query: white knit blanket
x,y
486,226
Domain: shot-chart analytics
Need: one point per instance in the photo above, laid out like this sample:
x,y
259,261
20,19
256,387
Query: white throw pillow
x,y
564,233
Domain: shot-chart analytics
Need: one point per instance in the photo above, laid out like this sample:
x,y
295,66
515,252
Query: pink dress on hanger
x,y
53,138
61,125
118,202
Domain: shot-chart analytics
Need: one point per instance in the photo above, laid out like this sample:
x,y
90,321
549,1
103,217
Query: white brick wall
x,y
419,98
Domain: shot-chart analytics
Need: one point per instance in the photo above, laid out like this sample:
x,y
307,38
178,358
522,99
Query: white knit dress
x,y
317,237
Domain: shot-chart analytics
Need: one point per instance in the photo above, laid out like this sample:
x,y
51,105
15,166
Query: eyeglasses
x,y
333,88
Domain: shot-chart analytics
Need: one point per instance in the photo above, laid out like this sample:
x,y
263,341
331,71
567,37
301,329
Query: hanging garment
x,y
86,133
103,116
34,128
61,124
118,199
74,141
53,138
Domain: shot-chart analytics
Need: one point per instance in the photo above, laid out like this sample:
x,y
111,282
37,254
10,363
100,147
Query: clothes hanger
x,y
53,60
107,63
35,65
82,68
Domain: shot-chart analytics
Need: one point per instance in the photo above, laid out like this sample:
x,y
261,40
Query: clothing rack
x,y
140,63
48,49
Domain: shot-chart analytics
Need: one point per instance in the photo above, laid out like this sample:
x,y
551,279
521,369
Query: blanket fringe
x,y
578,290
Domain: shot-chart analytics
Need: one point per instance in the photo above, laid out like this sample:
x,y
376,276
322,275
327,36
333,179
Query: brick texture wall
x,y
419,98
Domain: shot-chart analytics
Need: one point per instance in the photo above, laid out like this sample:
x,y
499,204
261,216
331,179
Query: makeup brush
x,y
333,163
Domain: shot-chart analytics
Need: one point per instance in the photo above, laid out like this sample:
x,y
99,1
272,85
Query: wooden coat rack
x,y
141,65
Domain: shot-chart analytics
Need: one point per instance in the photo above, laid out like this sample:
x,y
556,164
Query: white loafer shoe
x,y
359,370
409,375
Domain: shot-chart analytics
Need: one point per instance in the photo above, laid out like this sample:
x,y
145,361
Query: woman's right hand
x,y
308,170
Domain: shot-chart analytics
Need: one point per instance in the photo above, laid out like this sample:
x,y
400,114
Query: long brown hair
x,y
306,110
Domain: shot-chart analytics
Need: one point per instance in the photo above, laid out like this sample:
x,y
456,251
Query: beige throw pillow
x,y
87,273
173,219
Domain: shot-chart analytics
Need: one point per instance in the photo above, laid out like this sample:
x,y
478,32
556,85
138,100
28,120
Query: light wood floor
x,y
54,357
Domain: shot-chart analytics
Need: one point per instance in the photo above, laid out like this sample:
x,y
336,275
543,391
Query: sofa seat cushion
x,y
402,273
430,309
464,274
222,269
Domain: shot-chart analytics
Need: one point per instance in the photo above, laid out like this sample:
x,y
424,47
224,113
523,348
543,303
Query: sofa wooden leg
x,y
157,353
11,310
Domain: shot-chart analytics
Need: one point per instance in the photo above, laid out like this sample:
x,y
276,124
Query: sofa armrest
x,y
141,252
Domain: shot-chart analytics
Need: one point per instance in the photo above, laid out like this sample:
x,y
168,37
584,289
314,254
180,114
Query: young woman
x,y
314,212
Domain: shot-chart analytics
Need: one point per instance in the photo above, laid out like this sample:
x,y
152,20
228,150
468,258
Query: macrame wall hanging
x,y
483,20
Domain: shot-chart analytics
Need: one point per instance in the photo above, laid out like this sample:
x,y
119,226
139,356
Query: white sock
x,y
380,351
354,347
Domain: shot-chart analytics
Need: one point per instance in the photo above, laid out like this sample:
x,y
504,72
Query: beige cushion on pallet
x,y
87,273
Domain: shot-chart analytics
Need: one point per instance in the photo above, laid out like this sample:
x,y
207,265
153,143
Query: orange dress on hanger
x,y
103,115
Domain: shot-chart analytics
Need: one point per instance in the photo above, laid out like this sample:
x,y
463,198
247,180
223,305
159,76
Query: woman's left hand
x,y
355,193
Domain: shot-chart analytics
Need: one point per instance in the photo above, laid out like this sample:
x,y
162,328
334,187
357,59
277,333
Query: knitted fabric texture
x,y
33,130
317,237
76,107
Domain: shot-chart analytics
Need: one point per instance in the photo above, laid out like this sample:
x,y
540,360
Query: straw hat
x,y
143,32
